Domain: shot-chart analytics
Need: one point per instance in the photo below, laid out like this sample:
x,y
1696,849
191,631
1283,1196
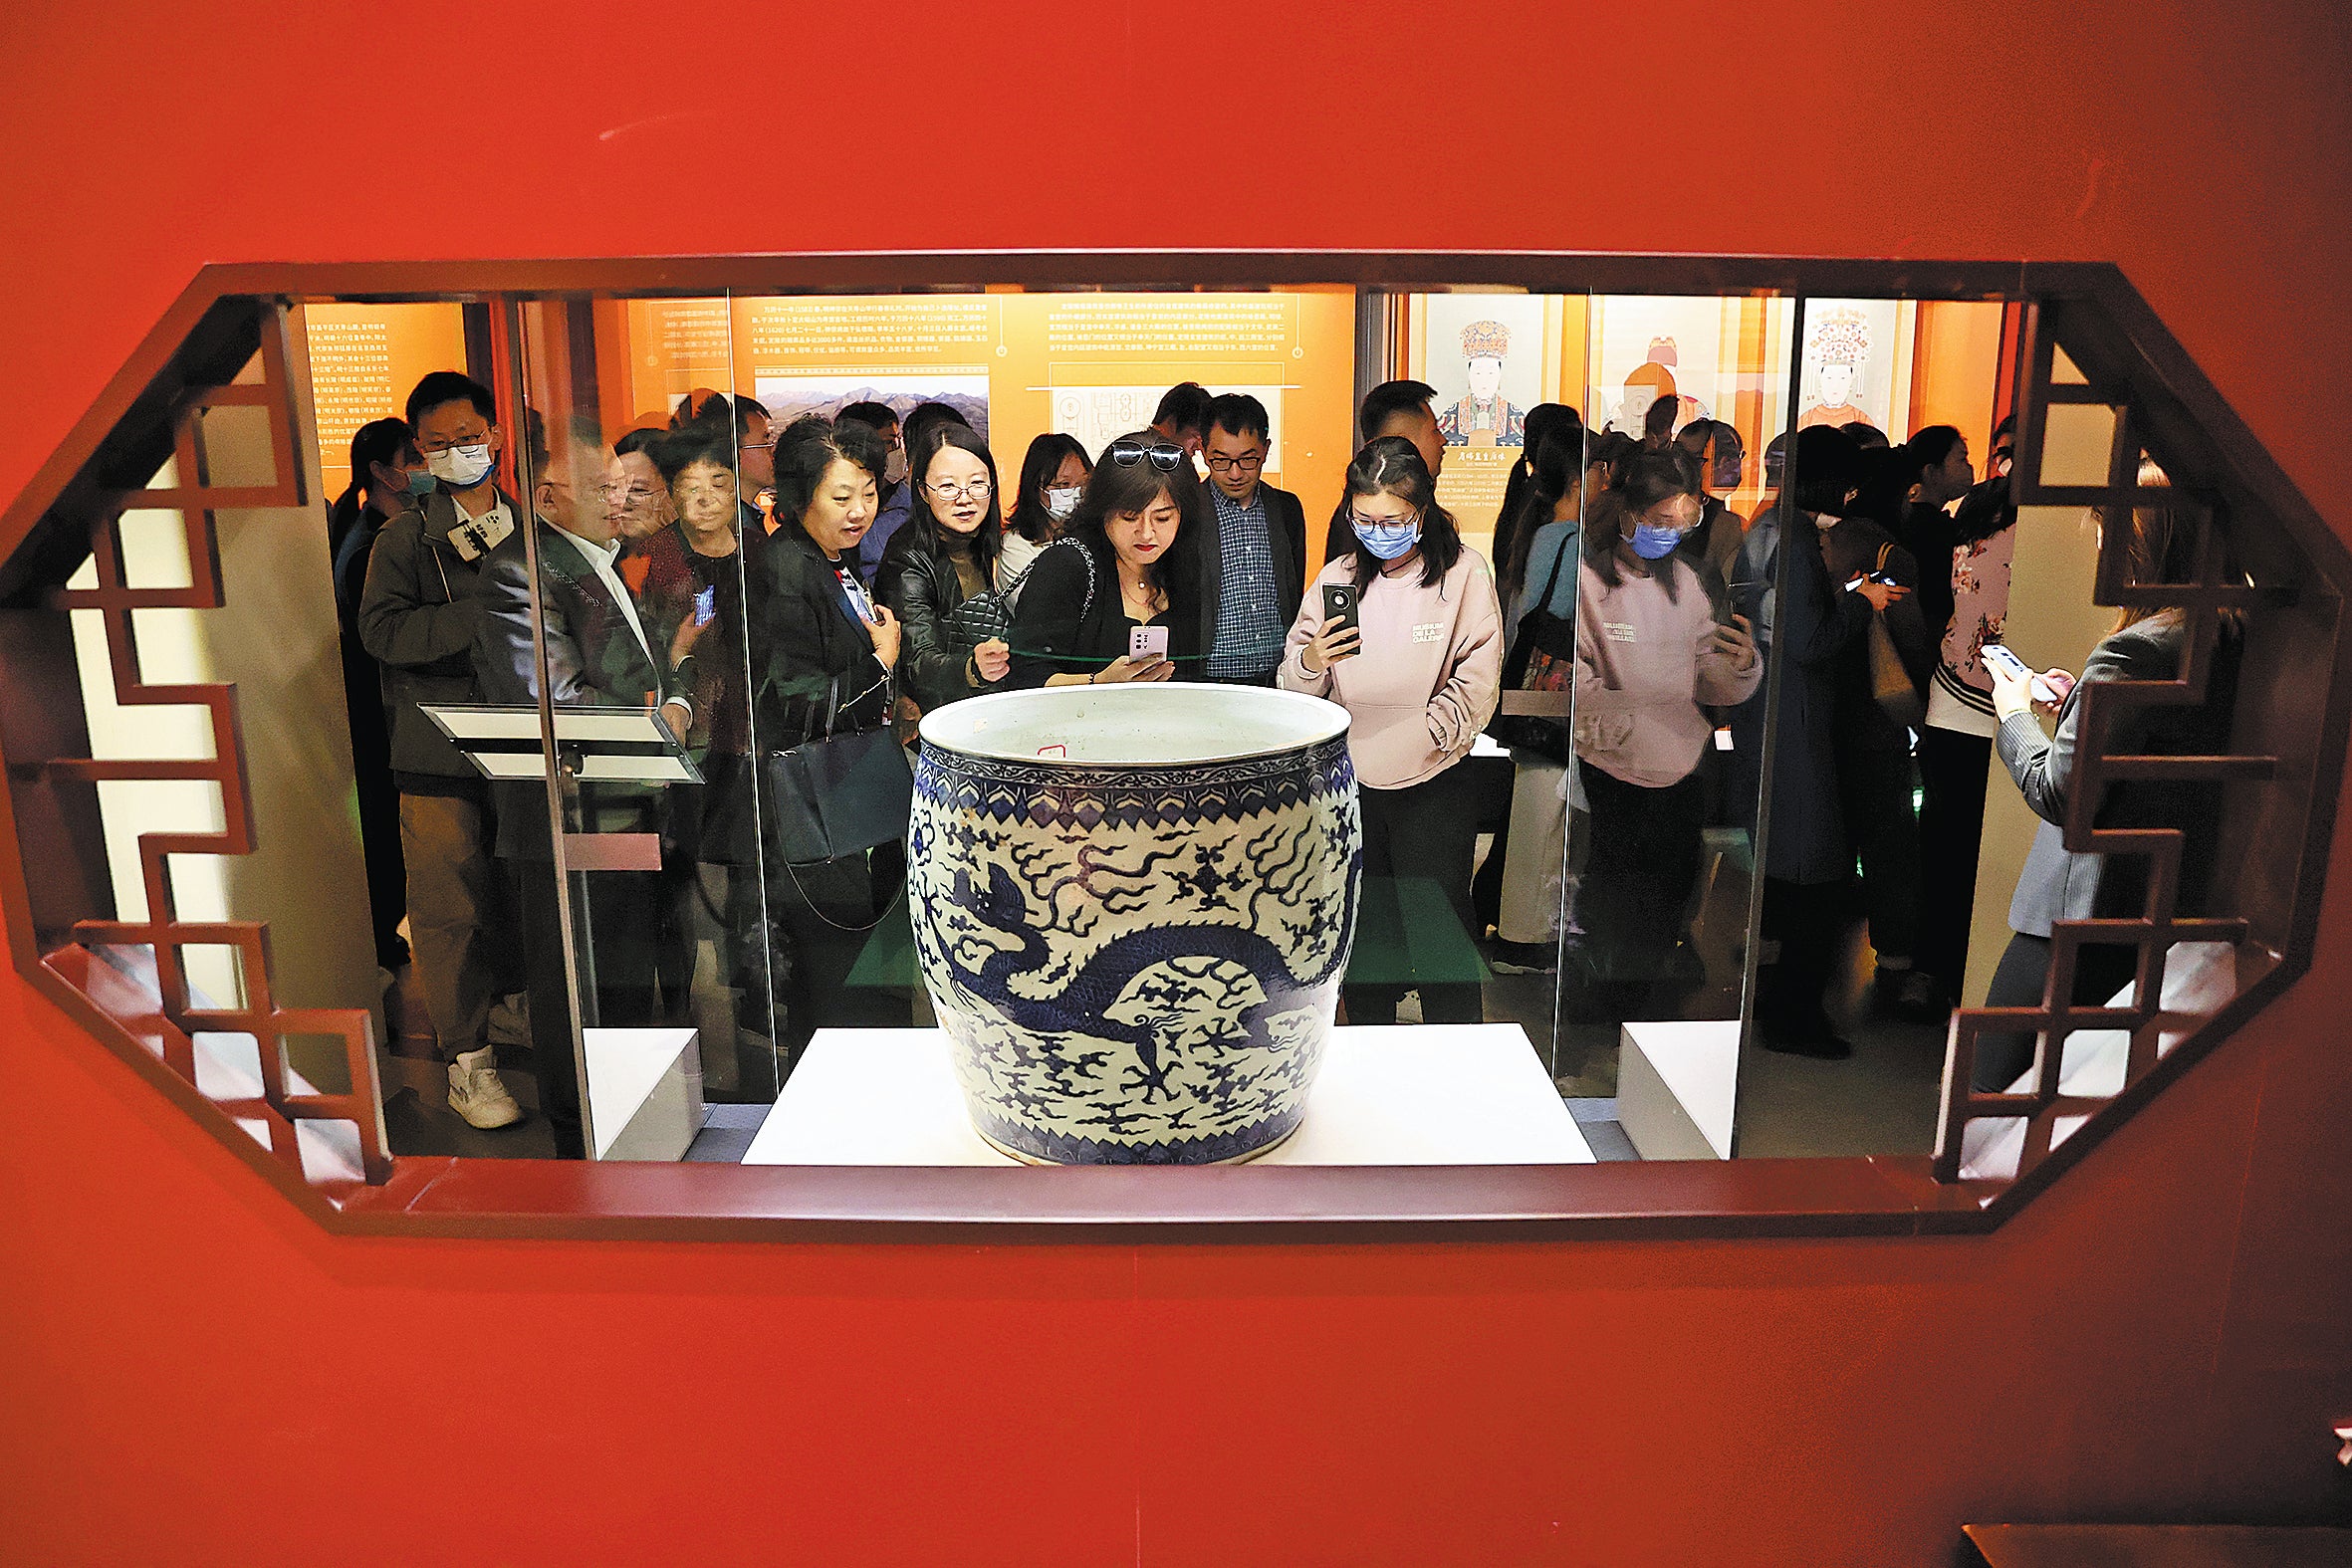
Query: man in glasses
x,y
417,615
1393,408
599,652
1254,563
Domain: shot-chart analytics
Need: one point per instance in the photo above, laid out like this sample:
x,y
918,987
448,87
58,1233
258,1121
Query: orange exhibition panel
x,y
197,1374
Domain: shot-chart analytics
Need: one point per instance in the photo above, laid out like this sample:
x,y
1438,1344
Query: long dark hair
x,y
1392,466
1117,490
1545,422
1558,467
925,525
1651,479
1028,517
1894,470
379,441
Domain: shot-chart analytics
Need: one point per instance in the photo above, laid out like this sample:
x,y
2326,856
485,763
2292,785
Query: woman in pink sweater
x,y
1419,676
1653,650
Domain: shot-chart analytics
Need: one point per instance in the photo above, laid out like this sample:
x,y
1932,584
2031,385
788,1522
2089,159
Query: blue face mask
x,y
1654,543
1387,540
422,482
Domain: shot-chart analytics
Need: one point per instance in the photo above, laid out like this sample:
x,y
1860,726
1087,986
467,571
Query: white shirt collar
x,y
601,557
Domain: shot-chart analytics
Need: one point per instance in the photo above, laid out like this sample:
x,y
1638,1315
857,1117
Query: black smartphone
x,y
1339,606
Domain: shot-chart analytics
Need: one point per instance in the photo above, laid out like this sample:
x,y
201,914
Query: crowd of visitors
x,y
768,588
765,589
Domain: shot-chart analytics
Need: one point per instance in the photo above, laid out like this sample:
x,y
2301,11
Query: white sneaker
x,y
476,1093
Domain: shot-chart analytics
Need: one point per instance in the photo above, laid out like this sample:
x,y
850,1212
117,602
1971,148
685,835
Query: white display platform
x,y
1676,1081
644,1092
1392,1094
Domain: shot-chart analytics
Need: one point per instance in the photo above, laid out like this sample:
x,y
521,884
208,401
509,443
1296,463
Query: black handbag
x,y
1542,659
835,795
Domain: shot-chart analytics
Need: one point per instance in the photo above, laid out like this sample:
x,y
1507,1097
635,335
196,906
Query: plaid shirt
x,y
1250,625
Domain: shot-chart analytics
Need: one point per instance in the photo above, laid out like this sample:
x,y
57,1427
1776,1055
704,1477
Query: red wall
x,y
193,1374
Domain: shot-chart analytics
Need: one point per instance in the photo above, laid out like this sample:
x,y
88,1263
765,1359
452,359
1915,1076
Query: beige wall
x,y
2051,621
277,642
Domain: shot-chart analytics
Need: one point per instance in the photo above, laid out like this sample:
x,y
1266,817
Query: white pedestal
x,y
1395,1094
1675,1087
644,1092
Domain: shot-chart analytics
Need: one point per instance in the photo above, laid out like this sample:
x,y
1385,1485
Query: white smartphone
x,y
1146,643
2000,658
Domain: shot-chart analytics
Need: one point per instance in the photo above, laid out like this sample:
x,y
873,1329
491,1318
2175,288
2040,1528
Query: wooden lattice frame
x,y
140,418
2102,708
274,1117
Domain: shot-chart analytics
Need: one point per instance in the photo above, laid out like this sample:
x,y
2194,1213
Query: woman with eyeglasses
x,y
1126,561
1418,665
943,559
1655,648
1053,478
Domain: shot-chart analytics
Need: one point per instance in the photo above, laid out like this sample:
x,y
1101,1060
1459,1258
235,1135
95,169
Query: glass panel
x,y
1674,609
638,612
1506,373
1881,731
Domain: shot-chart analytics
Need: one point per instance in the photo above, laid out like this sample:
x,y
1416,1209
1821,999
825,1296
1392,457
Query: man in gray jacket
x,y
418,618
601,652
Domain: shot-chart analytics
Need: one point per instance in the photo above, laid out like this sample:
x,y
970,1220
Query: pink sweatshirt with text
x,y
1428,675
1643,668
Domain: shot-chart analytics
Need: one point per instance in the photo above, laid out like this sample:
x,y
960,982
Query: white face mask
x,y
895,467
461,467
1062,501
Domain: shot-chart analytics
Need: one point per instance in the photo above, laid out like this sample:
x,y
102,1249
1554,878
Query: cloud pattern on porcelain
x,y
1135,965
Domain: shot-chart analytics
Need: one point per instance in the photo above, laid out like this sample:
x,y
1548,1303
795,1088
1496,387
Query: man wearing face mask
x,y
418,613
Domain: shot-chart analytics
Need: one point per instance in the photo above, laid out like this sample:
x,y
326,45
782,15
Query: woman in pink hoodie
x,y
1419,675
1654,650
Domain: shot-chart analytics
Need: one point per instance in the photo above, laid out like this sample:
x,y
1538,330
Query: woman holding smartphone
x,y
2058,884
1654,651
1405,633
1117,597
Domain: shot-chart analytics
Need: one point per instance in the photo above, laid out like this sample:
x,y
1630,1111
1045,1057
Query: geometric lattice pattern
x,y
226,348
2049,381
263,1096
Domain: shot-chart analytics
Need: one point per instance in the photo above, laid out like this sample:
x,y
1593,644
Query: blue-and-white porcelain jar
x,y
1132,905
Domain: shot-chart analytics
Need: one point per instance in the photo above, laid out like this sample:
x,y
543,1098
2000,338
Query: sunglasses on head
x,y
1163,455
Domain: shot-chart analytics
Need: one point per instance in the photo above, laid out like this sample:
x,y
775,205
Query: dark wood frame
x,y
1742,1197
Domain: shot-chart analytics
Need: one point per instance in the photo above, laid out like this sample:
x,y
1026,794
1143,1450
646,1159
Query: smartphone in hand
x,y
706,605
1341,607
1147,643
1999,657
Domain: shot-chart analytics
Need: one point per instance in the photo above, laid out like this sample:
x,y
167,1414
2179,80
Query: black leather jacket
x,y
808,659
924,590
